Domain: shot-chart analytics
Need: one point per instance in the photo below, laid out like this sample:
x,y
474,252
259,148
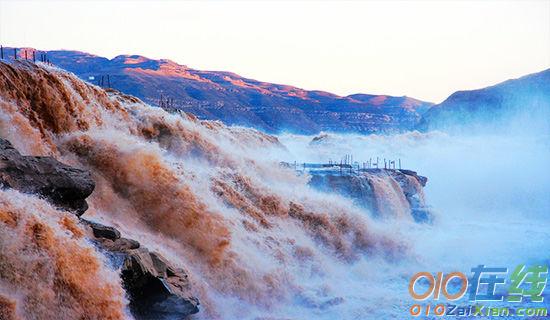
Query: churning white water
x,y
258,242
490,192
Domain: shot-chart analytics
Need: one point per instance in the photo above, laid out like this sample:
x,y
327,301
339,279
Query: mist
x,y
489,191
257,240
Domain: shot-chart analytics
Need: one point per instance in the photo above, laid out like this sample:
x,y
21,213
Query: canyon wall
x,y
384,192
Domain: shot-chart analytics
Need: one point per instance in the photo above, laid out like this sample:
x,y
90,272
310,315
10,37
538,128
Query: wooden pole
x,y
34,56
2,52
15,53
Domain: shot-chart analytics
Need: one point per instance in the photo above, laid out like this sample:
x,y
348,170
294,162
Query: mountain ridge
x,y
524,98
275,108
237,100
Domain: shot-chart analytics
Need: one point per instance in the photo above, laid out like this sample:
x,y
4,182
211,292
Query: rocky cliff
x,y
64,186
384,192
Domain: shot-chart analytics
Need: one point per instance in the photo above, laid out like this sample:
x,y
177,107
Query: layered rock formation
x,y
65,186
384,192
225,96
156,288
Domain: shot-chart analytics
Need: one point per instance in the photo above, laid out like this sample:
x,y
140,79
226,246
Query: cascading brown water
x,y
207,196
389,196
47,269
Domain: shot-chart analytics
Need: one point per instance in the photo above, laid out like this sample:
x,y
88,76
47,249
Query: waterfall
x,y
211,198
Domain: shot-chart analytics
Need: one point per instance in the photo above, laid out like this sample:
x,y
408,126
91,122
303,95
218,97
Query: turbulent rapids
x,y
212,199
114,209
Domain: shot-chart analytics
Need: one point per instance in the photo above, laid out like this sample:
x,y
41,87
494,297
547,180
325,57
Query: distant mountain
x,y
236,100
525,100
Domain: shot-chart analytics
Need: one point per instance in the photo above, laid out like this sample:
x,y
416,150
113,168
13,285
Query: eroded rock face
x,y
156,288
103,232
64,186
374,189
353,186
411,184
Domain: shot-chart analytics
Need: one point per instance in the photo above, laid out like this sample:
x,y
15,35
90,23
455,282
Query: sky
x,y
422,49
